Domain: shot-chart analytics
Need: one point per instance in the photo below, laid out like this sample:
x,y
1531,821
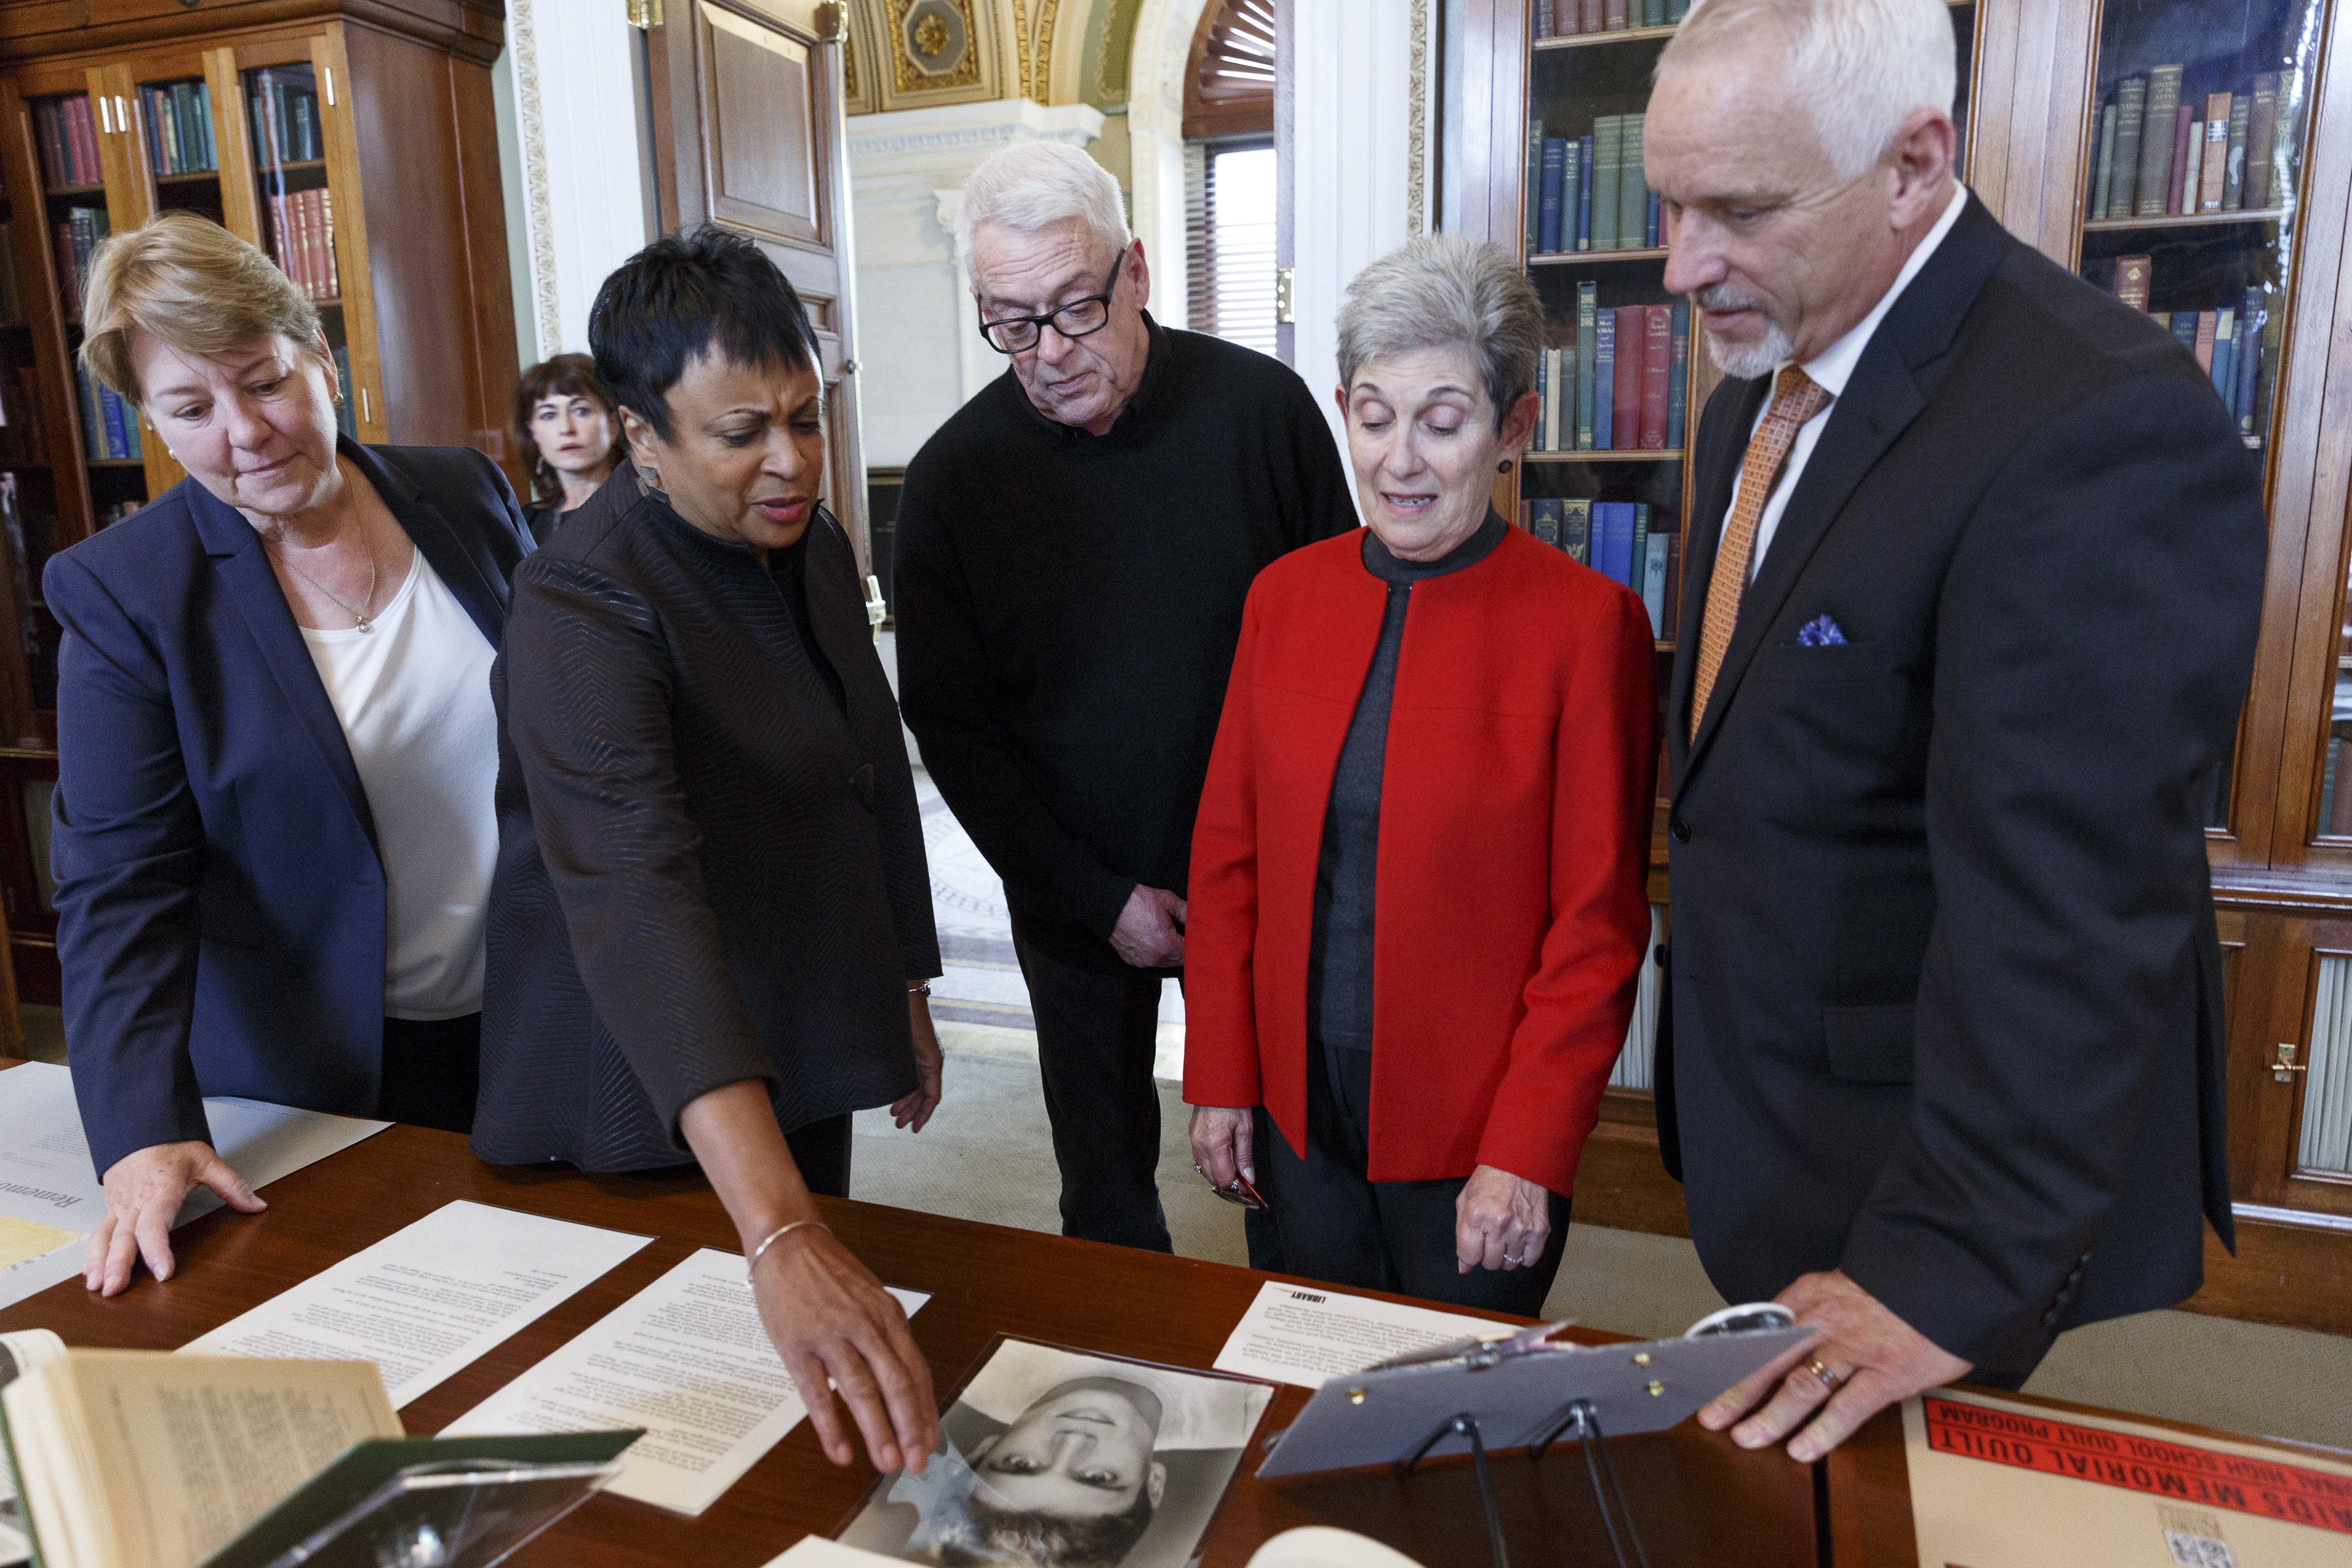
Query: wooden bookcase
x,y
2037,78
374,116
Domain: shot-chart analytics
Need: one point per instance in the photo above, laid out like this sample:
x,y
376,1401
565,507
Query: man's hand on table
x,y
144,1189
1874,1357
1150,929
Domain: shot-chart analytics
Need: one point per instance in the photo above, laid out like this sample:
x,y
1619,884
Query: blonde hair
x,y
185,281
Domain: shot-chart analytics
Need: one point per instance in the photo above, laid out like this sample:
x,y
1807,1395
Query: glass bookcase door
x,y
2200,120
284,109
176,123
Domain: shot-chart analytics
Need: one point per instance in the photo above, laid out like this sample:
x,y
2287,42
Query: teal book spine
x,y
1571,194
1543,521
1678,377
1605,381
1608,174
1588,344
1543,401
1584,193
1654,562
1632,190
1533,200
1637,559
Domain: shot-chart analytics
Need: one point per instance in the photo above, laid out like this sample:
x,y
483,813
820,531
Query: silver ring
x,y
1828,1379
1510,1259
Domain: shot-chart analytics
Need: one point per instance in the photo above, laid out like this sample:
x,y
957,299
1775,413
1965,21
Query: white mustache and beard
x,y
1744,362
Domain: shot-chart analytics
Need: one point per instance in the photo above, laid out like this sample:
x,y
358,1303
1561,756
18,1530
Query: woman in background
x,y
275,749
570,432
1417,903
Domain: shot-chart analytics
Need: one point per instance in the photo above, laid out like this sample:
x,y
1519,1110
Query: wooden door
x,y
748,134
2291,1069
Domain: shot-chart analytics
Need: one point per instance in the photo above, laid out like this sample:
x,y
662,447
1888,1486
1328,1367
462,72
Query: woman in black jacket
x,y
710,925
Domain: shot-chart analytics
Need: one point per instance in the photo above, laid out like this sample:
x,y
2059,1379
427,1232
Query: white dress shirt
x,y
414,696
1830,370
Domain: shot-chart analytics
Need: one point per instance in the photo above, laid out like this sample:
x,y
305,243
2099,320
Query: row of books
x,y
1614,538
2227,341
67,138
110,426
285,121
2167,153
1561,18
1621,384
77,235
180,128
1590,190
347,413
302,241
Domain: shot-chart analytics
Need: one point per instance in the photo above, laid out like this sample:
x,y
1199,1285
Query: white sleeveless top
x,y
414,695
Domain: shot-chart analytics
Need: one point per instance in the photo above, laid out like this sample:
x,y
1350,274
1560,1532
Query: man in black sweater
x,y
1074,549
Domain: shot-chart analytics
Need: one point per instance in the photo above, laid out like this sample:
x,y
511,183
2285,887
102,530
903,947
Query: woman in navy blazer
x,y
276,750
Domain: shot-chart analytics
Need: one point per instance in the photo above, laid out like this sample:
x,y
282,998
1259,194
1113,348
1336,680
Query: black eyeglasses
x,y
1019,334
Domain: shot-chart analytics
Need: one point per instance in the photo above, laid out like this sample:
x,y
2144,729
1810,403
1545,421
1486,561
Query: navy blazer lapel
x,y
1879,403
244,569
474,581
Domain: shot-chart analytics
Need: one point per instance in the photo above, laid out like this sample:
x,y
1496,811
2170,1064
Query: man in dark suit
x,y
1974,570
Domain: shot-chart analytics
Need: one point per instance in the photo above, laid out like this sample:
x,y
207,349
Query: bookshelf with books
x,y
361,158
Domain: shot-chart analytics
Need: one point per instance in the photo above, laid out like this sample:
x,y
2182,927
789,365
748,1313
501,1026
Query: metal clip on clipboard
x,y
1523,1390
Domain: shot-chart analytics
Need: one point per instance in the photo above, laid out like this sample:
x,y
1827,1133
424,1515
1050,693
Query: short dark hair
x,y
565,375
685,293
1051,1540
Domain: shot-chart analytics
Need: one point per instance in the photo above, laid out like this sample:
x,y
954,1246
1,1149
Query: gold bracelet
x,y
774,1236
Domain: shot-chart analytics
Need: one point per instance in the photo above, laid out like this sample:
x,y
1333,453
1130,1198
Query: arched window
x,y
1229,173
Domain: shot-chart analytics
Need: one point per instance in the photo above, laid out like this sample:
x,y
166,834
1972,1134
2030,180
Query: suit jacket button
x,y
2050,1319
1678,829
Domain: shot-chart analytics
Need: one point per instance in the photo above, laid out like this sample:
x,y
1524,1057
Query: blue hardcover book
x,y
2252,317
1588,348
1554,171
1571,192
1678,377
1653,581
2184,328
1543,521
110,408
1605,381
1576,531
1584,193
1612,531
1650,222
2225,364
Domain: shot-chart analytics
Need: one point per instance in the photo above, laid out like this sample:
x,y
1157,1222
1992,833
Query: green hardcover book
x,y
2100,192
1653,13
2233,183
1533,196
2155,185
1633,187
1576,529
1587,311
1608,172
2131,112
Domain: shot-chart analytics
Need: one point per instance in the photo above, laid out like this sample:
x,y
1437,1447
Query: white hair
x,y
1031,184
1446,291
1859,66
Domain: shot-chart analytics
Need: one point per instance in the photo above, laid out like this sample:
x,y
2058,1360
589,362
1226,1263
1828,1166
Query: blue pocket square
x,y
1821,631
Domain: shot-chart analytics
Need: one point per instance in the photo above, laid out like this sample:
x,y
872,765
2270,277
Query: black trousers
x,y
1339,1226
1097,1034
432,1067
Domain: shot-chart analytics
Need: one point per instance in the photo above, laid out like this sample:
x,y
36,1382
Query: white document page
x,y
430,1298
1294,1334
816,1551
50,1200
687,1359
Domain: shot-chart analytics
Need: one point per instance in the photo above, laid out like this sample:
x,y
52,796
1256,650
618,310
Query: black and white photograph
x,y
1057,1458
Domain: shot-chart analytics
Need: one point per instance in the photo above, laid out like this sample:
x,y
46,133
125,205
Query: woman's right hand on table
x,y
144,1189
830,1320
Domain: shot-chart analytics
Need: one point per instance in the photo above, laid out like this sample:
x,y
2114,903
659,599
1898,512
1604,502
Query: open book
x,y
145,1459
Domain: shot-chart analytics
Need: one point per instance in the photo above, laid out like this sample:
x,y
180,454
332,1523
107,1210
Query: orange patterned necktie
x,y
1795,399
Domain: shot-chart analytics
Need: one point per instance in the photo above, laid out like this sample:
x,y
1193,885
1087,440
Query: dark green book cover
x,y
1632,188
1608,170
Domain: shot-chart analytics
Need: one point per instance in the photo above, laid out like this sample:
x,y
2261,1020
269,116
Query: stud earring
x,y
1504,466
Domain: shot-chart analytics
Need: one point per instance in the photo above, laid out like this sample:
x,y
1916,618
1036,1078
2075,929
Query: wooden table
x,y
1698,1501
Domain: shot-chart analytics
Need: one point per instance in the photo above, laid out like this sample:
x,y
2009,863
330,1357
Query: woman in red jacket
x,y
1417,904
